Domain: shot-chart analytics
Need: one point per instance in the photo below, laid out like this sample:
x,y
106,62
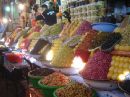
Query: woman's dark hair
x,y
67,15
44,6
39,17
35,7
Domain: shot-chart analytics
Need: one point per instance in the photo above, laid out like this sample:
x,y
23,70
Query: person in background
x,y
34,14
54,6
67,15
24,17
48,15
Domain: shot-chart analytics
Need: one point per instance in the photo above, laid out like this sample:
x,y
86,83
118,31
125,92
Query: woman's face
x,y
41,10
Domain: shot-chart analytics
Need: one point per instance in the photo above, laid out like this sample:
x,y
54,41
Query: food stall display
x,y
97,67
53,30
124,45
63,58
76,89
120,67
69,45
86,41
55,79
98,40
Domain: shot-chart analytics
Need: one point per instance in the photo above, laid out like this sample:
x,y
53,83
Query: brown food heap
x,y
55,79
42,72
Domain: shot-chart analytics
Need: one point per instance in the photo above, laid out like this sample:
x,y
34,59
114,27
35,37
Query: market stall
x,y
84,57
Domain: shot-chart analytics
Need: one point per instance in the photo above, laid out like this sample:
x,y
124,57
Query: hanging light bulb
x,y
7,8
5,20
21,6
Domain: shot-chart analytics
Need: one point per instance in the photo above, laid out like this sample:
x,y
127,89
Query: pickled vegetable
x,y
56,79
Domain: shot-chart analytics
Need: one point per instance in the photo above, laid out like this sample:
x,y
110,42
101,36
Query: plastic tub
x,y
34,80
48,90
104,27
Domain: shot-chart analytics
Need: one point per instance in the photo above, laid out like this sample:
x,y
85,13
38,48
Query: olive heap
x,y
111,41
74,90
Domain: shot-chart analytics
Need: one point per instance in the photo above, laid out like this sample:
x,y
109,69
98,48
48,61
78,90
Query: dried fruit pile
x,y
119,66
55,79
86,41
97,67
74,90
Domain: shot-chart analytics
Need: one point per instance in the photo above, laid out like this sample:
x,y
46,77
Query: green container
x,y
34,80
94,93
48,90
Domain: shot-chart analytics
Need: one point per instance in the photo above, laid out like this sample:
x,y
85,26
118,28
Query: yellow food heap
x,y
119,67
57,43
63,58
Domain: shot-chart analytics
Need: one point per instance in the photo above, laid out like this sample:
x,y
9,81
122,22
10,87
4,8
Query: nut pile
x,y
74,90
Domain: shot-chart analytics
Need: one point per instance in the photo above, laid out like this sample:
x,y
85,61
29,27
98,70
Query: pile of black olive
x,y
111,41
